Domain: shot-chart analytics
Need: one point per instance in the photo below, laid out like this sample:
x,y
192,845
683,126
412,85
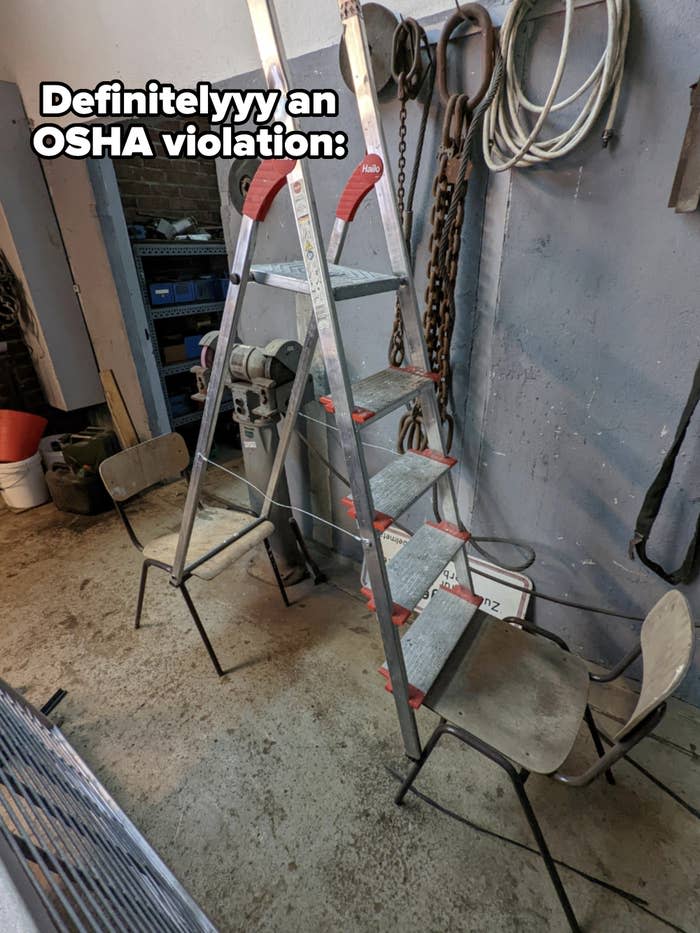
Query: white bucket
x,y
22,483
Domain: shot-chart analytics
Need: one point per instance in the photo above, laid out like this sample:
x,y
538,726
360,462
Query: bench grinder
x,y
260,380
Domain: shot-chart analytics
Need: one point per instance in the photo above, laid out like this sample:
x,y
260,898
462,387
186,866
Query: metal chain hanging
x,y
410,50
446,218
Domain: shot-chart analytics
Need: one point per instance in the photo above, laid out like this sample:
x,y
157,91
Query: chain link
x,y
446,218
439,314
410,73
397,353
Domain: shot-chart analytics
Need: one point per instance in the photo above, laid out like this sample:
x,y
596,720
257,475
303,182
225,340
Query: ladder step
x,y
345,282
401,483
417,566
432,638
381,393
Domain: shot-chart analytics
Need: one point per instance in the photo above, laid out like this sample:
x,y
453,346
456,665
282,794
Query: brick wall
x,y
171,188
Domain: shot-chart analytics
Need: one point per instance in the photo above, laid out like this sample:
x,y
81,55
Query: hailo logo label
x,y
372,168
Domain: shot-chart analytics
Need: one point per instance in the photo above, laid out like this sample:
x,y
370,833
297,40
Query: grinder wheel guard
x,y
380,24
239,178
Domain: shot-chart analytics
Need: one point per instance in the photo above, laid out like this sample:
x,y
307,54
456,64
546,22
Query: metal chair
x,y
219,536
514,693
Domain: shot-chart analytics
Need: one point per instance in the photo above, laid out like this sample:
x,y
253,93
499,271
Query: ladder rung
x,y
382,392
432,638
345,282
417,566
401,483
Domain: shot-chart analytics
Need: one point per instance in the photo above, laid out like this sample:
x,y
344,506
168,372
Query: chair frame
x,y
518,776
149,562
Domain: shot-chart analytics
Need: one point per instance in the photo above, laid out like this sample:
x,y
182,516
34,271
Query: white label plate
x,y
499,600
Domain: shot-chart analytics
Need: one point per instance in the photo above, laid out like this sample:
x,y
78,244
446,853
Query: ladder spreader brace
x,y
414,662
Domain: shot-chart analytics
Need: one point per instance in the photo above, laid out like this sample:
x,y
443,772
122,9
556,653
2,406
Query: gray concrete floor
x,y
267,793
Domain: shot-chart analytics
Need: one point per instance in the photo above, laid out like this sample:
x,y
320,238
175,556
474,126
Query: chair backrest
x,y
132,471
668,642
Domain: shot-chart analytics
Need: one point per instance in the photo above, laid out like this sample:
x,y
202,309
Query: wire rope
x,y
508,139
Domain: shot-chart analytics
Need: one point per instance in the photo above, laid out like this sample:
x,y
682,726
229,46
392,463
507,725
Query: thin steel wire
x,y
283,505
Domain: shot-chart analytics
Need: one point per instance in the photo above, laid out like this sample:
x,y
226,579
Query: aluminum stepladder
x,y
413,663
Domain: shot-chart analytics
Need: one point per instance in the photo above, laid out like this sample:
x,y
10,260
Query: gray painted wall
x,y
577,336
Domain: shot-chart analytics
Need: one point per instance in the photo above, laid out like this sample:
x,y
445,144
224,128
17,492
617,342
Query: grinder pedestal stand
x,y
260,380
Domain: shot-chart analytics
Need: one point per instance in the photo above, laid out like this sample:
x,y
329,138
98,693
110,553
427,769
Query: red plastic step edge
x,y
415,696
399,614
450,529
381,520
464,594
434,455
267,181
417,371
359,415
358,186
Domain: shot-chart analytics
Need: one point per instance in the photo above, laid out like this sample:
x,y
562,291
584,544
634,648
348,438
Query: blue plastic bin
x,y
180,405
184,291
206,289
192,347
162,293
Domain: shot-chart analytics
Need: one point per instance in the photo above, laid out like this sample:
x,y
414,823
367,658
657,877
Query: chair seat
x,y
520,693
211,527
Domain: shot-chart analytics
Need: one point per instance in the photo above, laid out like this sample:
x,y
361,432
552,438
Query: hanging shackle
x,y
475,14
454,124
407,66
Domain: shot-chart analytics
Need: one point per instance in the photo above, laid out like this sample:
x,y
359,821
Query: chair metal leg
x,y
200,628
518,779
415,770
275,570
311,565
595,735
544,849
142,590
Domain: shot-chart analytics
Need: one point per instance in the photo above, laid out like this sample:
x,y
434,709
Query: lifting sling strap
x,y
655,495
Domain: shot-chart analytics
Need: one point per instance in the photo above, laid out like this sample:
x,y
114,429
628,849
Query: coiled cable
x,y
507,141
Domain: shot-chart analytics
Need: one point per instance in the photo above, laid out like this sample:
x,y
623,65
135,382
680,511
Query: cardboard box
x,y
174,353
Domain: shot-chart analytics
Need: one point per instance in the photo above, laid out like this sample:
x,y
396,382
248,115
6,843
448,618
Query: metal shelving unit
x,y
152,314
166,311
172,369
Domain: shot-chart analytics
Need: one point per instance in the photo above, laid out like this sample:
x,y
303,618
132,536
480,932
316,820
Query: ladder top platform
x,y
345,282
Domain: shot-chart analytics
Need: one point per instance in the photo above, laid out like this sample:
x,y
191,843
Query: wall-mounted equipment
x,y
685,194
260,380
380,25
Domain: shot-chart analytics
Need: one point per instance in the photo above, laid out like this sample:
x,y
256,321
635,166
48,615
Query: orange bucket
x,y
20,433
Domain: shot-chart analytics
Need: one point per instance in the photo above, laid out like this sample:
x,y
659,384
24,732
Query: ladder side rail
x,y
375,142
267,181
240,270
306,217
350,200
